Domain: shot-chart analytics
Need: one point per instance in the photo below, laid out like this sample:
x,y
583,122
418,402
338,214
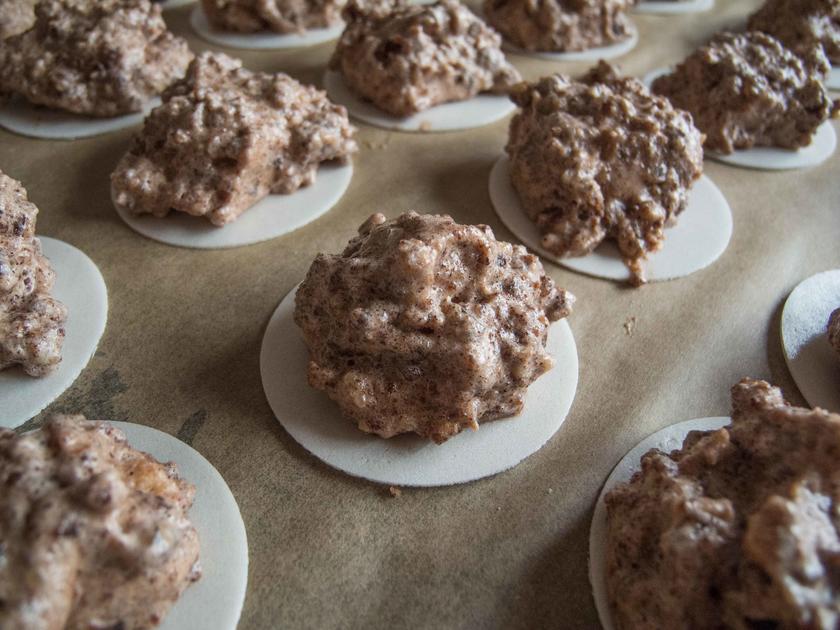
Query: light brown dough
x,y
95,57
426,326
95,533
407,58
31,321
226,137
737,529
601,158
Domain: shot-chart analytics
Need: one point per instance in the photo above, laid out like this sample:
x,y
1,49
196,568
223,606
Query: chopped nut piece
x,y
426,326
31,321
560,25
16,16
601,158
226,137
94,57
737,529
747,90
95,533
407,58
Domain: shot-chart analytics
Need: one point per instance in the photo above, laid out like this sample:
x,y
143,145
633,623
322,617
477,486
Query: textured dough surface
x,y
95,57
224,138
425,326
801,25
95,533
560,25
747,89
407,58
31,321
601,158
737,529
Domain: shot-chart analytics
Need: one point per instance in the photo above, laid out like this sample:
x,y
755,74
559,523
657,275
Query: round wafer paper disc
x,y
700,236
593,54
812,362
822,146
80,287
476,112
833,80
666,440
316,423
265,40
269,218
21,117
674,7
215,601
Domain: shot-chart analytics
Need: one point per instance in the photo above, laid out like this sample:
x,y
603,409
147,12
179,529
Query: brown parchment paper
x,y
181,352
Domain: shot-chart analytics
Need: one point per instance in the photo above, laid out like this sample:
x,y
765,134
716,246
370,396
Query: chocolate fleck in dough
x,y
746,90
834,330
226,137
95,533
407,58
31,321
737,529
280,16
560,25
94,57
601,158
423,325
801,25
16,16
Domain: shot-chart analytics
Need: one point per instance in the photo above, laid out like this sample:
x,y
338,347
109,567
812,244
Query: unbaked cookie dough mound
x,y
801,25
833,330
406,58
279,16
16,16
747,89
31,321
560,25
601,158
94,57
226,137
426,326
95,533
737,529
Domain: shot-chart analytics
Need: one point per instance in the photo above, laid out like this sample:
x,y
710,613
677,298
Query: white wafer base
x,y
21,117
674,7
812,362
80,287
316,423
